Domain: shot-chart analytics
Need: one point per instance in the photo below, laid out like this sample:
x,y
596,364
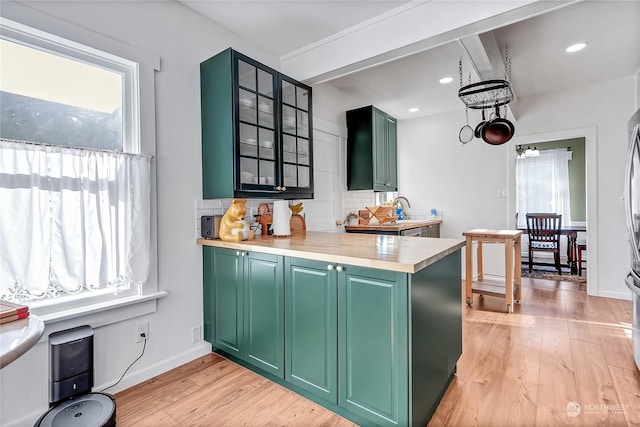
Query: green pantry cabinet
x,y
256,130
372,159
376,346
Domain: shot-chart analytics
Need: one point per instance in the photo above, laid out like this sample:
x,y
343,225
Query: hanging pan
x,y
498,130
478,131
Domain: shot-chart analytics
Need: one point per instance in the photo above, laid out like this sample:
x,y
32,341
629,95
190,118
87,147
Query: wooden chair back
x,y
544,227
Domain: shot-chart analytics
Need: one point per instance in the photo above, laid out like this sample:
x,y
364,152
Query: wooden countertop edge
x,y
393,226
379,262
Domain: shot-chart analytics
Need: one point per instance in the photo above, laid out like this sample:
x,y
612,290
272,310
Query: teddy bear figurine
x,y
233,227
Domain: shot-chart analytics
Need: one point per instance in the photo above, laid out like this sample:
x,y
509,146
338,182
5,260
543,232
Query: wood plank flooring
x,y
562,358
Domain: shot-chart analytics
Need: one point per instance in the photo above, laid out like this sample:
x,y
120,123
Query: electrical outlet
x,y
142,328
195,334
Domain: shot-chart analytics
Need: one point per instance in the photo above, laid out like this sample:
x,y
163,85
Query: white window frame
x,y
138,68
39,40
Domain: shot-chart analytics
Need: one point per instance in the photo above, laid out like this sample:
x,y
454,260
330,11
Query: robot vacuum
x,y
92,409
72,404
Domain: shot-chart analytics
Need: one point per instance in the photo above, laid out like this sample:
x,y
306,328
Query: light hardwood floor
x,y
560,347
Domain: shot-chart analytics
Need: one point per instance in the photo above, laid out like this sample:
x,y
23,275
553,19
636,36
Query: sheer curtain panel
x,y
71,220
542,185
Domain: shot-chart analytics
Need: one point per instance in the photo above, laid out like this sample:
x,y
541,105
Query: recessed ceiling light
x,y
414,110
446,80
576,47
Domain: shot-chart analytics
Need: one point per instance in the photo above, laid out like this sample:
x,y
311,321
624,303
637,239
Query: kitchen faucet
x,y
395,201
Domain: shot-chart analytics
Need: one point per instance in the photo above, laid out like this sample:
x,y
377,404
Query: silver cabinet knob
x,y
330,267
237,253
339,268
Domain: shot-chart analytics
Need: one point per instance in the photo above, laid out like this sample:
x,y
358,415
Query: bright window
x,y
542,185
75,190
51,99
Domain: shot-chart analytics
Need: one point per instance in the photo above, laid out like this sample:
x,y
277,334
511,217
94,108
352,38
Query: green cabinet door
x,y
373,345
244,306
208,292
385,156
228,303
371,150
392,153
264,312
311,328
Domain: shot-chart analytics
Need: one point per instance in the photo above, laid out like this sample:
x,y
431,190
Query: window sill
x,y
101,314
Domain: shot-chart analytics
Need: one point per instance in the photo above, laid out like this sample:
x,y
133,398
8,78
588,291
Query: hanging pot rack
x,y
486,94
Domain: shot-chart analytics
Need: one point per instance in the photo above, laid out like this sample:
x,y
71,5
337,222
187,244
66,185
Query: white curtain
x,y
542,185
71,220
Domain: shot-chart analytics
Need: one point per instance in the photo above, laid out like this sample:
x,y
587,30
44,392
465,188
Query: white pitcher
x,y
281,218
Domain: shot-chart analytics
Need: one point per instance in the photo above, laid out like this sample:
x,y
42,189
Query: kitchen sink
x,y
405,221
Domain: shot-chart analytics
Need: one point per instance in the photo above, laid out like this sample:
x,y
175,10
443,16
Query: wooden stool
x,y
582,246
511,288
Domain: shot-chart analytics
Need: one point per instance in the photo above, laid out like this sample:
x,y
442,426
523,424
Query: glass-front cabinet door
x,y
297,153
256,142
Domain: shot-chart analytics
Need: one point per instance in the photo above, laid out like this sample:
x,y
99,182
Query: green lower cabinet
x,y
264,313
346,337
376,346
244,306
207,293
228,301
373,345
311,329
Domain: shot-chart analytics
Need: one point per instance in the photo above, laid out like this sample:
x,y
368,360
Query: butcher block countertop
x,y
394,226
396,253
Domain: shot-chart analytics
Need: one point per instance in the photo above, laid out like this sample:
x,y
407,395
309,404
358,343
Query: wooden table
x,y
511,288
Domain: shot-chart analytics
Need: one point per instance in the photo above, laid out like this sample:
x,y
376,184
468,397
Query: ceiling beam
x,y
485,57
409,29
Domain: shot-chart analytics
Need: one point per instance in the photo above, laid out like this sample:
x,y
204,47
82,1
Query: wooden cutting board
x,y
297,223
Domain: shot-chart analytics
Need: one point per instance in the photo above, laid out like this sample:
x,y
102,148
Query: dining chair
x,y
582,246
544,236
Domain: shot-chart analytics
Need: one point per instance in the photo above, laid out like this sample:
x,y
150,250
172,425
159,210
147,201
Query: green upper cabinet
x,y
372,159
256,131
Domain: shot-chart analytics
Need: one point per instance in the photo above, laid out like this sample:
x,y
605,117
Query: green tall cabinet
x,y
372,159
256,130
244,306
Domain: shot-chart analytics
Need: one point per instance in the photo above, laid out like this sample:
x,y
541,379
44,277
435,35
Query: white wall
x,y
436,170
607,106
182,39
